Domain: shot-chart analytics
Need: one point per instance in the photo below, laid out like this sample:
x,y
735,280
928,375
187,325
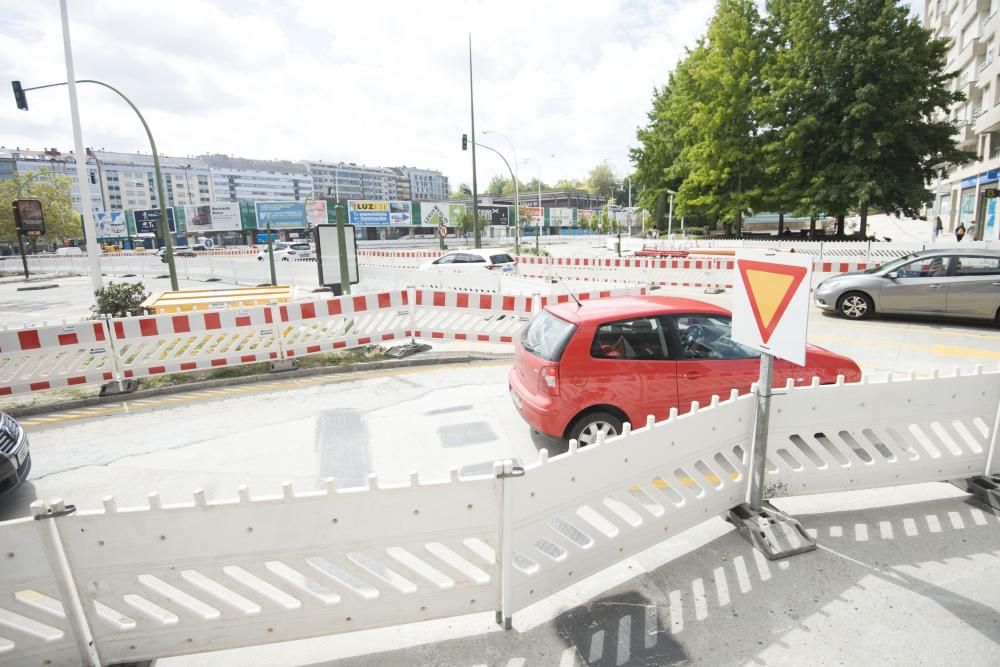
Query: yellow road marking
x,y
858,326
953,351
935,349
295,383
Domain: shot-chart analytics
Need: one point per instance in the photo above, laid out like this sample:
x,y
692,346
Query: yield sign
x,y
770,288
771,303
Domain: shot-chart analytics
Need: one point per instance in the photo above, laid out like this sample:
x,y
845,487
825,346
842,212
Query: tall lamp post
x,y
670,215
168,253
512,175
517,196
538,166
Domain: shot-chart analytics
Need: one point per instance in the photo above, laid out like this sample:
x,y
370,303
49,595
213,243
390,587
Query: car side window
x,y
466,258
977,266
928,267
447,259
638,339
707,337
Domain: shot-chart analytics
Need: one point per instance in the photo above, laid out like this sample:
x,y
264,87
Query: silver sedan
x,y
944,283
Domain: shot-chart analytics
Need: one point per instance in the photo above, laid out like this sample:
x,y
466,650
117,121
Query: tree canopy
x,y
819,106
55,193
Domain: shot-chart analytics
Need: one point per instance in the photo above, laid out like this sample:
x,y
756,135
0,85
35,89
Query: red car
x,y
581,370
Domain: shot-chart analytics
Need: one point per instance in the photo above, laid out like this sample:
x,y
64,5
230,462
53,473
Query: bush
x,y
119,299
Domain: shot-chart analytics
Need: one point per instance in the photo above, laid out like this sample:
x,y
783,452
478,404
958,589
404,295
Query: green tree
x,y
569,184
498,185
719,139
119,299
61,221
463,190
465,221
601,181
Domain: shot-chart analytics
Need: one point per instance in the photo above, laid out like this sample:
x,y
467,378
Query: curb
x,y
438,359
35,287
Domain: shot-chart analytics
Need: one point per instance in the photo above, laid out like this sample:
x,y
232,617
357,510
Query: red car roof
x,y
624,307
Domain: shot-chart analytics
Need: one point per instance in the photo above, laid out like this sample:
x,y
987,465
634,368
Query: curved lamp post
x,y
168,252
517,196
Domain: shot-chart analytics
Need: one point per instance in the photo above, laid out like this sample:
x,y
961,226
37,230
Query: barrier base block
x,y
400,351
771,531
116,388
284,365
984,487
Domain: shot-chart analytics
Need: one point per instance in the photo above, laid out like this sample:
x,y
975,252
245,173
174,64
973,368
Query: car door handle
x,y
937,286
996,284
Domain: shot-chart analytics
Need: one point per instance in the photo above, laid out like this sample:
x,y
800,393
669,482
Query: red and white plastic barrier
x,y
311,327
55,357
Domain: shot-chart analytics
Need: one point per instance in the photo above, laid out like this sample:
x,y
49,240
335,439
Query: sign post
x,y
770,314
28,219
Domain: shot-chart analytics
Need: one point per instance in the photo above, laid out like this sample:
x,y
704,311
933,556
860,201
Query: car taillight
x,y
548,380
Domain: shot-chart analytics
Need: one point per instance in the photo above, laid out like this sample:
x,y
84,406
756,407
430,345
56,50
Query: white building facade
x,y
352,181
51,161
243,179
960,194
425,184
128,181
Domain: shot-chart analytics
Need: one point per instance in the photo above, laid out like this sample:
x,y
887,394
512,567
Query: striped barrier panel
x,y
55,357
486,318
205,340
311,327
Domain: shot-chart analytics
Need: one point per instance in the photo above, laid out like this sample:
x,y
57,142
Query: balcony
x,y
965,134
988,119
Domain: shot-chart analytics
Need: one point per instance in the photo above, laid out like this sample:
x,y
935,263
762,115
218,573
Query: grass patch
x,y
530,250
344,358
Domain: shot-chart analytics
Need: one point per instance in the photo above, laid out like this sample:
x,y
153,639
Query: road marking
x,y
291,383
914,328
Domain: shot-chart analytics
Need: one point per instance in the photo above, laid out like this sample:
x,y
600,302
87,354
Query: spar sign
x,y
771,303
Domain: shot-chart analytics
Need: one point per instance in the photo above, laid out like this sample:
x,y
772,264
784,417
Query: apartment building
x,y
128,181
353,181
242,179
51,161
960,192
425,184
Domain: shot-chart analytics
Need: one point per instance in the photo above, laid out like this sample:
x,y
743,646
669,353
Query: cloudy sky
x,y
379,82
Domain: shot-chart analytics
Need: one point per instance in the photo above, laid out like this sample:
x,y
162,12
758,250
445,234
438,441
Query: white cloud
x,y
383,82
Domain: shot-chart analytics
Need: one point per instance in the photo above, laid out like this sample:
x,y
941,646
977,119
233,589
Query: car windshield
x,y
893,264
546,336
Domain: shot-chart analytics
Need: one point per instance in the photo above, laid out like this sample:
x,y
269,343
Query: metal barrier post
x,y
119,385
282,363
761,420
46,515
504,471
411,298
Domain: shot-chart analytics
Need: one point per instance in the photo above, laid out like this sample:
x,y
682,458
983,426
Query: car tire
x,y
856,306
284,259
260,259
586,427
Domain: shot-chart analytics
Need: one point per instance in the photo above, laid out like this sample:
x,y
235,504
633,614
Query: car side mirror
x,y
892,275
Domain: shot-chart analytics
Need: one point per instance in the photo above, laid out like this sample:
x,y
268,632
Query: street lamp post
x,y
168,253
512,175
541,222
670,215
517,196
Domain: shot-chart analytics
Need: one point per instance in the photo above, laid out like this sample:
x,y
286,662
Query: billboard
x,y
561,217
494,215
281,214
440,213
584,214
110,224
147,220
316,212
28,218
534,215
225,217
363,212
198,218
401,213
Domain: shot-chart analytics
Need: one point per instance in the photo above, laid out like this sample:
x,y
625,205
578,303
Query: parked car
x,y
288,251
15,459
178,251
944,283
472,261
69,250
581,370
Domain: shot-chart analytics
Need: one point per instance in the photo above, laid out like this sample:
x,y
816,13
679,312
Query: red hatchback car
x,y
581,370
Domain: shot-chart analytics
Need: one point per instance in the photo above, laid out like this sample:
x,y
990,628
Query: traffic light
x,y
19,96
465,137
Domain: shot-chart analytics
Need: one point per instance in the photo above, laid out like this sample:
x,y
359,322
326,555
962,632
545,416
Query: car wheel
x,y
856,306
260,259
586,428
284,259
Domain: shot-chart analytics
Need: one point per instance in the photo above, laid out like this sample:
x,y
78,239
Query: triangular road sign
x,y
770,288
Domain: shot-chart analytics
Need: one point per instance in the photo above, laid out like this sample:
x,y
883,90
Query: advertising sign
x,y
110,224
328,254
198,218
771,303
361,212
494,215
147,220
561,217
28,217
535,215
225,217
287,214
400,213
441,213
316,212
584,214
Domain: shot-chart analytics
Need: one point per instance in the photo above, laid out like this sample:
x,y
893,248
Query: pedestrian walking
x,y
960,231
938,228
